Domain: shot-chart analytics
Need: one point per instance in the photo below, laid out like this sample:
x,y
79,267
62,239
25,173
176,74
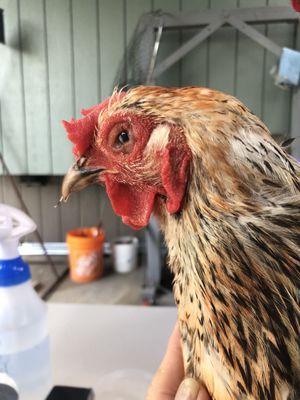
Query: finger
x,y
170,373
203,393
190,389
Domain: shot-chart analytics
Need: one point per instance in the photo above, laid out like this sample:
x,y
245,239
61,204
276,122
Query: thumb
x,y
170,373
190,389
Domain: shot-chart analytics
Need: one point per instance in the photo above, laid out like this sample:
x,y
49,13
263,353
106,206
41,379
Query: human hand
x,y
168,382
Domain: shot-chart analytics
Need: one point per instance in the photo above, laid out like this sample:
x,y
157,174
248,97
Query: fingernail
x,y
188,390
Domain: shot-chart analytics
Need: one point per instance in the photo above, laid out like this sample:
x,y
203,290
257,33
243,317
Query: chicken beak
x,y
78,177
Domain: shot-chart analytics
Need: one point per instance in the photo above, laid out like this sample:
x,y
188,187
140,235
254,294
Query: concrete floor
x,y
112,288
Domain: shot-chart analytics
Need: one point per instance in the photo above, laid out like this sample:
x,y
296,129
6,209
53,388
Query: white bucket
x,y
124,251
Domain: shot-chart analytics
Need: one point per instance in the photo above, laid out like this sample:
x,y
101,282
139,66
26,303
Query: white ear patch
x,y
159,138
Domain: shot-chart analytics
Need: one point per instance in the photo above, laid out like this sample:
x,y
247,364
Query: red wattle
x,y
296,5
132,203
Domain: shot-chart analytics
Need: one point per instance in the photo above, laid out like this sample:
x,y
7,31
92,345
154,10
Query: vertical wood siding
x,y
36,88
62,55
59,30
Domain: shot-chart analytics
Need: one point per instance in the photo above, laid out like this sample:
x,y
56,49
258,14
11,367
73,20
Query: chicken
x,y
227,197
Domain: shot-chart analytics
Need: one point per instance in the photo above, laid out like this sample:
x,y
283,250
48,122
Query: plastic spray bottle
x,y
24,342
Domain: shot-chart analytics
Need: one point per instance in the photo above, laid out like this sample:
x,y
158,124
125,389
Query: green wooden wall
x,y
62,55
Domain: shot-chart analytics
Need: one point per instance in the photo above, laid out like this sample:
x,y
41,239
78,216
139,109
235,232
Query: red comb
x,y
81,131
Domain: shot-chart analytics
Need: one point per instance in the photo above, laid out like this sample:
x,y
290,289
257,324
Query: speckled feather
x,y
234,248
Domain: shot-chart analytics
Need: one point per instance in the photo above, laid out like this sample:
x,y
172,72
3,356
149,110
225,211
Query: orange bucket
x,y
85,254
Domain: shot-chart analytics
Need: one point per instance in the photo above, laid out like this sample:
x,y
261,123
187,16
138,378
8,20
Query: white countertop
x,y
90,341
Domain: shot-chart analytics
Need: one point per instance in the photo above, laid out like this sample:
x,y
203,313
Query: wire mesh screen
x,y
134,68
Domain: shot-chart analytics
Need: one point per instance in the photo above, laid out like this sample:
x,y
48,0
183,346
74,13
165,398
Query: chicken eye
x,y
123,138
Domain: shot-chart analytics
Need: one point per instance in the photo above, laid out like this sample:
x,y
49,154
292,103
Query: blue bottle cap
x,y
13,272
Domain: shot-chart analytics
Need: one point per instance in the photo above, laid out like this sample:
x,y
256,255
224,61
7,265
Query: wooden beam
x,y
188,46
253,34
253,15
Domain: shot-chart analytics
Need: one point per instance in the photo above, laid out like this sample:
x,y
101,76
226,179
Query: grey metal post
x,y
295,117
